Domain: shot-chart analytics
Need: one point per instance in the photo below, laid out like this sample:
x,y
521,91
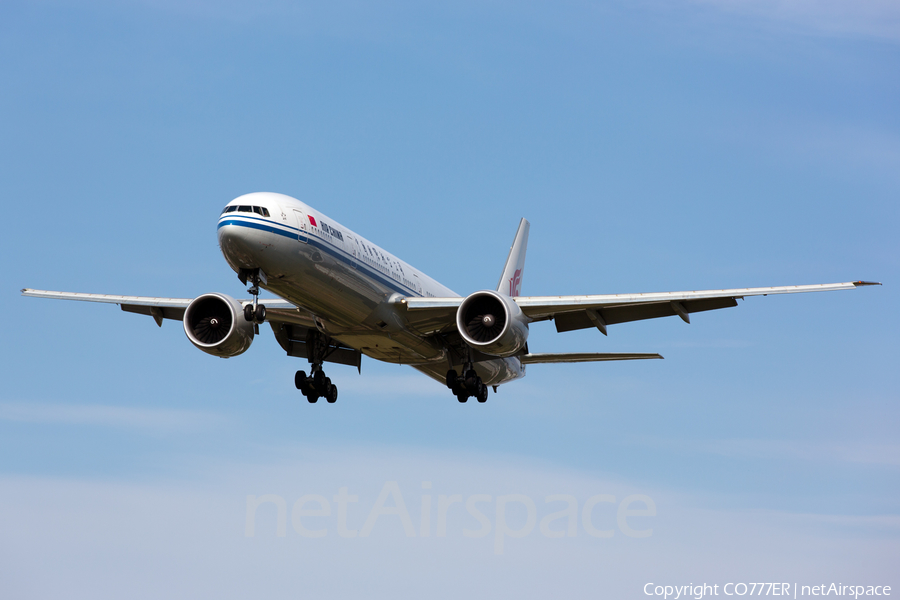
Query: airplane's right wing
x,y
583,312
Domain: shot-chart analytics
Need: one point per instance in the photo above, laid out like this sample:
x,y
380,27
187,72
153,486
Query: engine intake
x,y
215,324
492,323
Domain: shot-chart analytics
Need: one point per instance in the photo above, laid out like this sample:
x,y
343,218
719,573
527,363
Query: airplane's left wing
x,y
583,312
158,308
289,323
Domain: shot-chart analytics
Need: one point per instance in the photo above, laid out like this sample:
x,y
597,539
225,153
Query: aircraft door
x,y
303,224
353,248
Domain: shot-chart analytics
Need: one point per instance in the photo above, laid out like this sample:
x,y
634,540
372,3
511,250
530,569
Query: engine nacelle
x,y
492,323
215,323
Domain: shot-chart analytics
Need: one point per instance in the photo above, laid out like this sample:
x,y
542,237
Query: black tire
x,y
482,393
462,397
312,398
248,313
260,313
300,380
472,380
332,395
452,376
319,380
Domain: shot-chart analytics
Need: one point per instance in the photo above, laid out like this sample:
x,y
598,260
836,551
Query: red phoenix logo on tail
x,y
515,283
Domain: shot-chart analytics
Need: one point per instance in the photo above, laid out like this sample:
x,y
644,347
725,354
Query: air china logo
x,y
515,283
312,221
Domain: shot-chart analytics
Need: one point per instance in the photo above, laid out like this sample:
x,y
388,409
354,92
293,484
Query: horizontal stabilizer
x,y
575,357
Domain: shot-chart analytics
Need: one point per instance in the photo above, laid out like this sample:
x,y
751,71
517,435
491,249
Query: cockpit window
x,y
260,210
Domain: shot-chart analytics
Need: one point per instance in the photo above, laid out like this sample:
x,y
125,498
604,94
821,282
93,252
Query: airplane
x,y
342,297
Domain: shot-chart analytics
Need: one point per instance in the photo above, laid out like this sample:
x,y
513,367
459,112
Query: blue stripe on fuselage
x,y
261,226
335,252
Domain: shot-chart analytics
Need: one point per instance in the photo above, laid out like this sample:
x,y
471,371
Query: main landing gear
x,y
316,385
468,385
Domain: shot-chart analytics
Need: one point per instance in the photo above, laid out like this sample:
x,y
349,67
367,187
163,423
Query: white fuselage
x,y
348,285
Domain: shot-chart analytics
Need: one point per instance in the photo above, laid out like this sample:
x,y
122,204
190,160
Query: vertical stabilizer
x,y
511,280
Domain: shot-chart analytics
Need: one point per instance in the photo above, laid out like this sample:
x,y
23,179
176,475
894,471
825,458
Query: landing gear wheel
x,y
248,313
482,393
300,380
471,381
462,397
315,385
319,380
260,313
452,376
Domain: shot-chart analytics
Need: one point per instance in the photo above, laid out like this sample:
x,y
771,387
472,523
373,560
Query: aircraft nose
x,y
236,245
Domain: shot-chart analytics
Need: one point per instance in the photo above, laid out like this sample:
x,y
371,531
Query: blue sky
x,y
653,146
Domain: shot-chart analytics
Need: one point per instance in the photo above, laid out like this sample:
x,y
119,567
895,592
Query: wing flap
x,y
158,313
293,338
570,321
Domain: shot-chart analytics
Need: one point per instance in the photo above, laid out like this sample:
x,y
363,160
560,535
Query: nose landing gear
x,y
254,313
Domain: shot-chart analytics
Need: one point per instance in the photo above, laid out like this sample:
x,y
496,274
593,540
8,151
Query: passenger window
x,y
245,209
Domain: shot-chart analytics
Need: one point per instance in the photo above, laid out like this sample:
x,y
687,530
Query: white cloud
x,y
854,144
108,416
186,538
875,18
839,146
831,452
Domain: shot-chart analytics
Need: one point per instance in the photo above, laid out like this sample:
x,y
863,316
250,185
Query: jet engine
x,y
215,323
492,323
